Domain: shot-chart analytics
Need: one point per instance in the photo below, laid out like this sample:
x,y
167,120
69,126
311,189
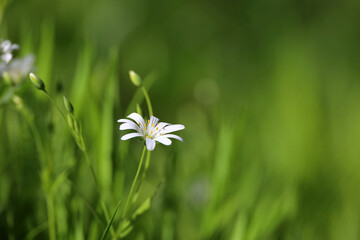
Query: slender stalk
x,y
148,102
51,216
146,167
56,105
134,183
39,146
88,161
148,155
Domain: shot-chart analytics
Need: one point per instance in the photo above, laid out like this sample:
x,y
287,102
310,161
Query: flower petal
x,y
150,144
14,47
131,135
6,45
161,125
137,118
164,140
129,125
173,128
173,136
6,57
124,121
154,120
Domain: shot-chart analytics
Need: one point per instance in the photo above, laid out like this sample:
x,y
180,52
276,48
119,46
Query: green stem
x,y
51,216
84,150
134,183
146,167
57,106
148,156
148,102
37,139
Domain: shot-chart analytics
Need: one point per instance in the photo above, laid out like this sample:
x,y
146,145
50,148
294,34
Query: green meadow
x,y
268,92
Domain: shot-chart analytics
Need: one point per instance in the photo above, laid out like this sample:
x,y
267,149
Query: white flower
x,y
151,131
6,47
19,68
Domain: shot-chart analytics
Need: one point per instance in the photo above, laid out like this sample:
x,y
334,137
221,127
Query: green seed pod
x,y
135,78
69,107
70,121
37,82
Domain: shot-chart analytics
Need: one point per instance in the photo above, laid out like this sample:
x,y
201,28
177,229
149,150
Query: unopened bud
x,y
135,78
69,107
37,82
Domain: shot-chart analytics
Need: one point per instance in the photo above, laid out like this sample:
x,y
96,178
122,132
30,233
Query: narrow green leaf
x,y
126,231
110,222
60,179
46,50
106,130
146,204
125,228
142,208
82,76
36,231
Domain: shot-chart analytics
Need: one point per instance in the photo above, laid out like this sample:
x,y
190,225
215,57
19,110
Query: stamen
x,y
153,125
160,134
157,128
144,129
139,124
145,124
151,132
148,121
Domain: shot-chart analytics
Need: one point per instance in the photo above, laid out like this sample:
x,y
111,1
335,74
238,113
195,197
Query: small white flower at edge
x,y
152,131
19,68
6,47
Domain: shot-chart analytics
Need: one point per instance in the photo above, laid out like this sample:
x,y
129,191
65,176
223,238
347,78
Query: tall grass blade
x,y
110,222
105,142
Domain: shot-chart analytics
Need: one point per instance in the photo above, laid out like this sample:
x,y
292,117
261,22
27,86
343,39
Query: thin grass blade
x,y
110,222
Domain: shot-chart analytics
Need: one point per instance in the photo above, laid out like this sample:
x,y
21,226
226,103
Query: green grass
x,y
268,93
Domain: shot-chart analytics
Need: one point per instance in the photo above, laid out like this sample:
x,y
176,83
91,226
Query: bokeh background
x,y
269,93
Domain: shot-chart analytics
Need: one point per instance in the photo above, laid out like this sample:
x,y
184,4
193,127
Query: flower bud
x,y
69,107
135,78
37,82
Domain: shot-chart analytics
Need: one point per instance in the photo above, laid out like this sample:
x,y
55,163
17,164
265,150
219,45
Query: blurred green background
x,y
269,93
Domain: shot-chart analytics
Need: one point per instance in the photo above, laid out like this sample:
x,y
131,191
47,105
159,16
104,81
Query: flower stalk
x,y
76,131
128,201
